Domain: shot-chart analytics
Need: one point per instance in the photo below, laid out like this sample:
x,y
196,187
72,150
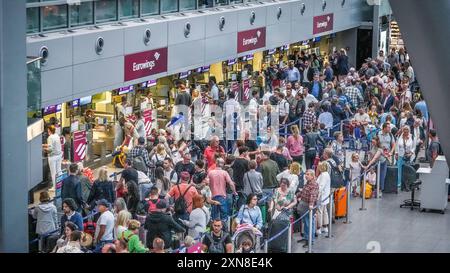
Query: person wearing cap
x,y
160,224
104,231
140,151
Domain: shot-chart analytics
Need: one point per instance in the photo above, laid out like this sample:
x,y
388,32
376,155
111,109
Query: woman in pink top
x,y
295,145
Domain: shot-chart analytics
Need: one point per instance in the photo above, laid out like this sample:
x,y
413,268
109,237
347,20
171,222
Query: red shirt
x,y
210,153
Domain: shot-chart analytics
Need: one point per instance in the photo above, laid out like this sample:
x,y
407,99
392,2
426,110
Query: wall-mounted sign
x,y
79,146
323,23
245,90
251,39
148,120
145,64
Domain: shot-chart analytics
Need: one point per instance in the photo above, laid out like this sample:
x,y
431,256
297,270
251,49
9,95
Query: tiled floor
x,y
388,226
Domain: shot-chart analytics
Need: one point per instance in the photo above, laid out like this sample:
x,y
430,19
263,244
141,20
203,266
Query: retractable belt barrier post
x,y
330,215
347,217
363,196
378,179
310,238
289,249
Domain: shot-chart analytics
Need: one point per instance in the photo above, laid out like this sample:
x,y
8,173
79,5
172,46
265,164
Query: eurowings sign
x,y
323,23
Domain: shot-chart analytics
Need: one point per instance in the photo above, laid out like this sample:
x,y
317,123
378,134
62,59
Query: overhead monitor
x,y
75,103
126,89
51,109
85,100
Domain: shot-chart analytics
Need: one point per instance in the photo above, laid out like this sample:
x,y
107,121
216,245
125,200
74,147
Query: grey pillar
x,y
13,128
376,31
424,27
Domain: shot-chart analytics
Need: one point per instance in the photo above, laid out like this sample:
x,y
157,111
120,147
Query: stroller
x,y
246,232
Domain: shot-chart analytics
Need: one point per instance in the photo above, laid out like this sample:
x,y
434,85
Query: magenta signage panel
x,y
323,23
251,39
145,64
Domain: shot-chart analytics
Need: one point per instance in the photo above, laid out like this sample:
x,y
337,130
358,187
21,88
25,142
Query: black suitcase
x,y
280,244
390,183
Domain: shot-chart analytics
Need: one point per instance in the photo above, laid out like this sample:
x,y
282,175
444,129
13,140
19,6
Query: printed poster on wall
x,y
148,121
79,146
246,90
235,89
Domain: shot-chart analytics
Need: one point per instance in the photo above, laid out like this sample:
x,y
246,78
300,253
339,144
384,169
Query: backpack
x,y
141,208
440,152
216,247
337,178
159,163
152,205
139,163
180,205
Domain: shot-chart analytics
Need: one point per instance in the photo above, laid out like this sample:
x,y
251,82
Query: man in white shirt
x,y
283,109
104,231
297,88
169,172
267,96
231,112
253,110
326,117
361,119
409,72
308,97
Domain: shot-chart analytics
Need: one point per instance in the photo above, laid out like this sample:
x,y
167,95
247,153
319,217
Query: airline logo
x,y
251,39
323,23
145,64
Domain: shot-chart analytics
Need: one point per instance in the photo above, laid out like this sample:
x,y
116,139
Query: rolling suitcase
x,y
340,202
390,183
278,245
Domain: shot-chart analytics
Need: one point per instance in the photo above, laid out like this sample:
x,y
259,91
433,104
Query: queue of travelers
x,y
203,192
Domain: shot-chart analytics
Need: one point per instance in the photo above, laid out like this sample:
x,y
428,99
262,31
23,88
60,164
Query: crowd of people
x,y
196,193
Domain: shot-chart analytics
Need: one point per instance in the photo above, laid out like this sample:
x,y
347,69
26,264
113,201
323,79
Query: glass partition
x,y
55,15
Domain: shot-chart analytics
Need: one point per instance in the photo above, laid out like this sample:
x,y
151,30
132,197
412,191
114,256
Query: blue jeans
x,y
101,244
383,171
220,211
144,190
306,225
400,163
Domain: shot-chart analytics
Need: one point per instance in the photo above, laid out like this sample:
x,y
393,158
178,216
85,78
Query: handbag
x,y
302,208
